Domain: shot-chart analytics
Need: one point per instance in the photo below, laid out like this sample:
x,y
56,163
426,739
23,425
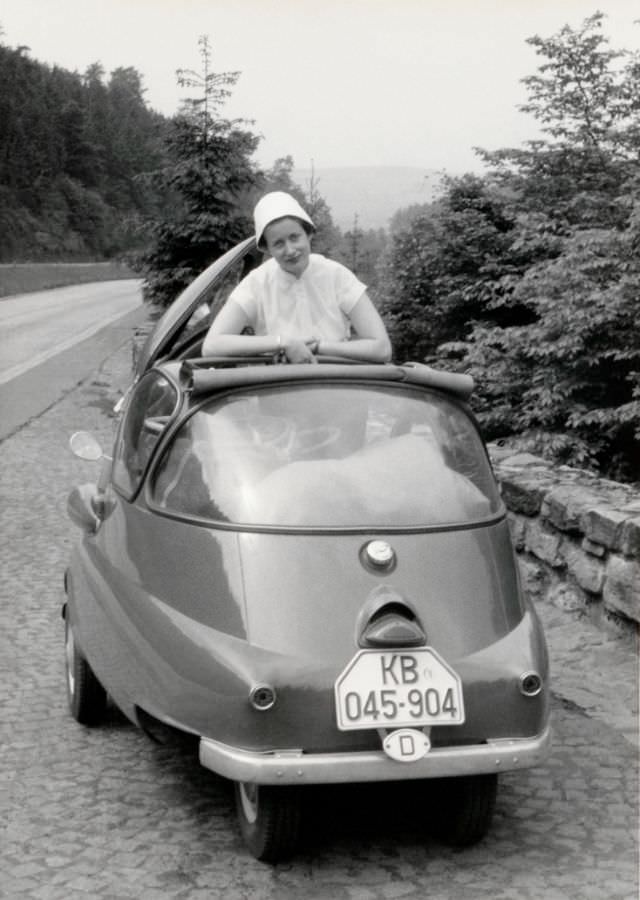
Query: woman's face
x,y
289,244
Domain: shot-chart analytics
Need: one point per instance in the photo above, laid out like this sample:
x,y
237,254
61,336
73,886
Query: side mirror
x,y
85,446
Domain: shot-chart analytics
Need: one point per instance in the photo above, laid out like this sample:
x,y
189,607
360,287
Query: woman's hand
x,y
299,351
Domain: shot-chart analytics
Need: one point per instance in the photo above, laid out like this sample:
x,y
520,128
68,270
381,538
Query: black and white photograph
x,y
320,442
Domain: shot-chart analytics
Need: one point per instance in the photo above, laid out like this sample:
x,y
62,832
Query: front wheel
x,y
465,806
269,819
86,696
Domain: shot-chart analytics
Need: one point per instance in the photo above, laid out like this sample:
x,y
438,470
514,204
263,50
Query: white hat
x,y
277,205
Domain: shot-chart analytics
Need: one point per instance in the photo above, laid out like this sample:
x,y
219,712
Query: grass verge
x,y
23,278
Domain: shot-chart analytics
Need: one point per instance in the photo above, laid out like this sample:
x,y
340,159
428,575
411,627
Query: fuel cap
x,y
380,554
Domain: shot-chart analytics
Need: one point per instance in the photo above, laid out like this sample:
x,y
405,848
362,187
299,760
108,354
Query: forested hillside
x,y
74,150
527,277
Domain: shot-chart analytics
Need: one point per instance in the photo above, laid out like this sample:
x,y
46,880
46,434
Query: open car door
x,y
198,303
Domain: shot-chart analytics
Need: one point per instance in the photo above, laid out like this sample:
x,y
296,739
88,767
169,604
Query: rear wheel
x,y
465,808
86,696
269,819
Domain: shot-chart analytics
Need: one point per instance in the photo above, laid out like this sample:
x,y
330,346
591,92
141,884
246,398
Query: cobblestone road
x,y
106,813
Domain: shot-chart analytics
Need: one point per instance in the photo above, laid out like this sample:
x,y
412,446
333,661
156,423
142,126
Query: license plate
x,y
396,689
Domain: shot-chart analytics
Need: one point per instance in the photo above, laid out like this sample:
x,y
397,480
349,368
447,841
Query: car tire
x,y
269,819
465,807
86,696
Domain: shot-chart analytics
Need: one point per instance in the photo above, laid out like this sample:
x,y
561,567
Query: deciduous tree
x,y
528,277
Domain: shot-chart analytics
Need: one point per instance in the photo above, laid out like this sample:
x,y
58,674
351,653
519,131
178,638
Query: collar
x,y
286,280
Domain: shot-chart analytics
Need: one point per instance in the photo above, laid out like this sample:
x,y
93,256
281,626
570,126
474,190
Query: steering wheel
x,y
270,431
308,441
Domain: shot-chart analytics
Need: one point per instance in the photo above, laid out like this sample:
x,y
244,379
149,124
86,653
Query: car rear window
x,y
328,456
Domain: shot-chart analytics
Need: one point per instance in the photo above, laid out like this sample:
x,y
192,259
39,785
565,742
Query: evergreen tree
x,y
72,152
364,253
210,177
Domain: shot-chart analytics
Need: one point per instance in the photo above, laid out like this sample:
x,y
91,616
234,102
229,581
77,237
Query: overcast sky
x,y
336,82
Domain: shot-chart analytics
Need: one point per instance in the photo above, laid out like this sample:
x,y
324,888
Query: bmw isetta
x,y
309,569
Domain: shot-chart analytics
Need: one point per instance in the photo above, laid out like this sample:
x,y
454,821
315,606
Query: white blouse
x,y
317,304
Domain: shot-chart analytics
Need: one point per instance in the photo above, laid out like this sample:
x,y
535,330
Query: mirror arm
x,y
105,476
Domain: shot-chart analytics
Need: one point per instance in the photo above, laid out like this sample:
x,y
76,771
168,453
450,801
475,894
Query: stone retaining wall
x,y
577,536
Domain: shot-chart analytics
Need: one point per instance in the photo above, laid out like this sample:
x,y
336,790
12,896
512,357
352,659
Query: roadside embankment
x,y
23,278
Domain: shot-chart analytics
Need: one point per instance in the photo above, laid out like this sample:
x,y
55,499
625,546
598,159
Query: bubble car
x,y
307,568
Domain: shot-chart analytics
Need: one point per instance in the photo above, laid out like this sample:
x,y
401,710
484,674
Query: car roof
x,y
210,376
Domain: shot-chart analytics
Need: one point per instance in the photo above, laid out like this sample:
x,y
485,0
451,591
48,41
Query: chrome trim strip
x,y
296,767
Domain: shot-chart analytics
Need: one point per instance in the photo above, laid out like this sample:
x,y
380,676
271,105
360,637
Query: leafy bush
x,y
564,384
528,278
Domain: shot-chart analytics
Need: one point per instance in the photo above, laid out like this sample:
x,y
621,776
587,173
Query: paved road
x,y
42,324
107,813
34,384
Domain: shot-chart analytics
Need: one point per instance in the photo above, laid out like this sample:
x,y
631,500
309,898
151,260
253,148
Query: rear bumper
x,y
295,767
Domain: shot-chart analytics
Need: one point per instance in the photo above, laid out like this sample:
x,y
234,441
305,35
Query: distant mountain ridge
x,y
372,193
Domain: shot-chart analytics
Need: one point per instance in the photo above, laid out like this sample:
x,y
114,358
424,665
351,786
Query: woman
x,y
297,302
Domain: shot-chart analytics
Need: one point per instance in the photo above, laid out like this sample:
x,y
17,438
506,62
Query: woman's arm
x,y
224,338
371,341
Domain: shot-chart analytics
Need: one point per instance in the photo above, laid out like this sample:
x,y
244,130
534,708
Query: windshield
x,y
328,456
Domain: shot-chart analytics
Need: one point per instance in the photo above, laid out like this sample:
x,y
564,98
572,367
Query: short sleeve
x,y
244,295
348,288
